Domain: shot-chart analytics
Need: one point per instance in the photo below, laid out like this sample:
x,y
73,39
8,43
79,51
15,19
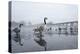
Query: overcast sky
x,y
35,12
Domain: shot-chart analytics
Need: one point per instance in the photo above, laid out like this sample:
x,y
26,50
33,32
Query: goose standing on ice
x,y
39,36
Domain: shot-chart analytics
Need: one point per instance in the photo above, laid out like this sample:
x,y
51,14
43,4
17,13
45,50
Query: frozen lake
x,y
53,41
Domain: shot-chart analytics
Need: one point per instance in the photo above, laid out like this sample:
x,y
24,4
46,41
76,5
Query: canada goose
x,y
41,28
17,30
41,41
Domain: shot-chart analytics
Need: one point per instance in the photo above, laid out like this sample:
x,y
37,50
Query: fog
x,y
35,12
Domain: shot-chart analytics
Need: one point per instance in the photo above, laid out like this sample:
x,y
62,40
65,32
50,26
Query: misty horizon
x,y
35,12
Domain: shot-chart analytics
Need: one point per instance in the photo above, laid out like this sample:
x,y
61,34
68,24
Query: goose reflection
x,y
41,42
